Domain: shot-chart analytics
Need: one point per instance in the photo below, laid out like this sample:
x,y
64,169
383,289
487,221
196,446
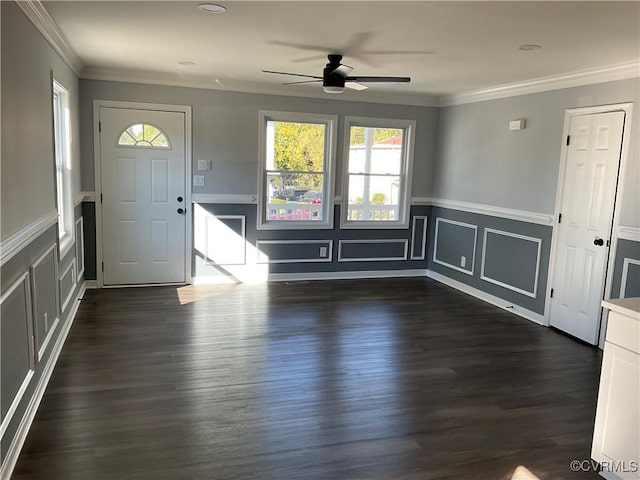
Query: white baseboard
x,y
292,277
9,461
493,300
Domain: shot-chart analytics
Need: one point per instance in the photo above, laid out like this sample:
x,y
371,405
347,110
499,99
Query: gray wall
x,y
514,268
627,250
225,130
27,121
480,161
35,307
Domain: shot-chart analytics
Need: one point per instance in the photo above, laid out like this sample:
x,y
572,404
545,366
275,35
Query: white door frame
x,y
186,109
622,168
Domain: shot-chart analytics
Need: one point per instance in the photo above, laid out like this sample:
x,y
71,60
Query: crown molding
x,y
239,86
35,11
580,78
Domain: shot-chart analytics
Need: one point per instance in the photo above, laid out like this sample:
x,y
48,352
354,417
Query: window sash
x,y
302,213
394,212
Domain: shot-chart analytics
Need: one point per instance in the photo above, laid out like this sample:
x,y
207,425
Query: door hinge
x,y
608,243
568,139
552,293
100,128
100,198
103,266
559,218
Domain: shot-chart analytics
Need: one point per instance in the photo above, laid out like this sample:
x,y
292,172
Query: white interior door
x,y
584,232
143,196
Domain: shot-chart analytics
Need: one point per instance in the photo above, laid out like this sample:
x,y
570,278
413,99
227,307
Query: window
x,y
297,153
143,135
62,150
377,173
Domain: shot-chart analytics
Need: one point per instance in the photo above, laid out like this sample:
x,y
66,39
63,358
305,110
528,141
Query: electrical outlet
x,y
463,261
323,252
198,180
205,165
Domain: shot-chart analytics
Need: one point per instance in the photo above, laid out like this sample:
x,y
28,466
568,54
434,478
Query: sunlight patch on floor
x,y
193,293
523,473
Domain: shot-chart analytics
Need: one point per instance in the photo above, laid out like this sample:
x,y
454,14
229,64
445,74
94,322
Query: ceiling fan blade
x,y
397,52
293,74
378,79
355,86
342,70
304,81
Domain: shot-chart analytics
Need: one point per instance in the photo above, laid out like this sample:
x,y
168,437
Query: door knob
x,y
181,211
598,242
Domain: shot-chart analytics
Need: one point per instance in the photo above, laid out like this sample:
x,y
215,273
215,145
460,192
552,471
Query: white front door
x,y
584,231
143,196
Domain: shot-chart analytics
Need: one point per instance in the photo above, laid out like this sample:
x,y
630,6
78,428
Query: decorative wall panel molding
x,y
80,247
437,241
224,245
316,251
69,278
18,355
625,274
534,281
419,237
45,303
396,254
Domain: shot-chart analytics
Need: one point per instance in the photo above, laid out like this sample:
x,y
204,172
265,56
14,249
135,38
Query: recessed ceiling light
x,y
187,63
212,8
527,47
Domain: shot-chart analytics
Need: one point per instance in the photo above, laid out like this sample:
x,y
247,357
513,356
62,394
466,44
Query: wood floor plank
x,y
402,379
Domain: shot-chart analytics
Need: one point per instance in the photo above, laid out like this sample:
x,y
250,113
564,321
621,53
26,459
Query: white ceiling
x,y
446,47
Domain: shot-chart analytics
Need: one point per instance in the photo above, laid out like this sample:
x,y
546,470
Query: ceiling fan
x,y
335,77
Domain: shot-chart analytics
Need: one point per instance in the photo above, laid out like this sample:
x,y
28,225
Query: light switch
x,y
198,180
204,165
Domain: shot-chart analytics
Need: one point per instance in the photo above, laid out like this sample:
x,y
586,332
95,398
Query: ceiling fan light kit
x,y
335,77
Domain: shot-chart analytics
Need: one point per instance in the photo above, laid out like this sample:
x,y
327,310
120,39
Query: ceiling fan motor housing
x,y
331,77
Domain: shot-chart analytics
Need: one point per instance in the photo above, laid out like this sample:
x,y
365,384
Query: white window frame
x,y
331,129
406,171
62,162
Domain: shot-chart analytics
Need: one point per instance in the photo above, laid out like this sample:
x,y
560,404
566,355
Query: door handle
x,y
181,211
598,242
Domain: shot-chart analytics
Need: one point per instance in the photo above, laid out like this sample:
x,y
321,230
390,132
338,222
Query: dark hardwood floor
x,y
392,379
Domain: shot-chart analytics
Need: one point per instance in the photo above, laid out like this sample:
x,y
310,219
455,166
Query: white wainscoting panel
x,y
419,236
65,297
222,244
20,287
486,278
435,246
625,274
401,241
80,247
263,258
50,325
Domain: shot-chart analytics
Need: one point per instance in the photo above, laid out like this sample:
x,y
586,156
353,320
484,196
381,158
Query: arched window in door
x,y
143,135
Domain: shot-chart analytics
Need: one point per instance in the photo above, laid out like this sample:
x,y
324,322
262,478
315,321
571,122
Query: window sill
x,y
295,226
374,225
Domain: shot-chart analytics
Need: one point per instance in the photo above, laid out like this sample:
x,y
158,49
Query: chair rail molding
x,y
629,233
493,211
247,199
13,244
